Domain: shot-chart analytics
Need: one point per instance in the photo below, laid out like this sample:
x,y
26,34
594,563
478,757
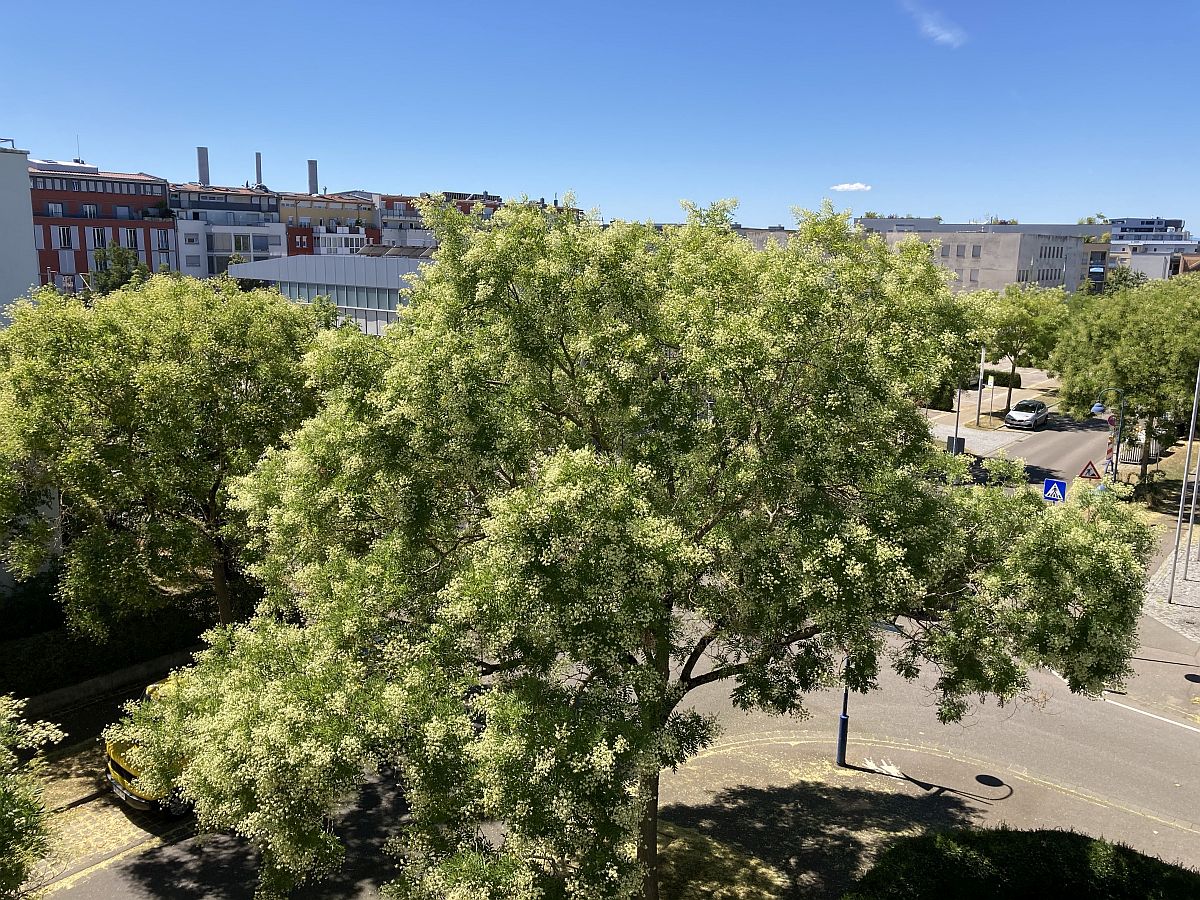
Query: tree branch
x,y
723,672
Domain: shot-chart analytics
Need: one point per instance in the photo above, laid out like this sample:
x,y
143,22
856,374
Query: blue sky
x,y
1042,111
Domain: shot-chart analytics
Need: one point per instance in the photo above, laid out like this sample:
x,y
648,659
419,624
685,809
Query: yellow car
x,y
122,775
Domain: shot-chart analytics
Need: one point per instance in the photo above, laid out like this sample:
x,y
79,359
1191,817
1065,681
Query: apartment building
x,y
79,209
328,224
18,258
1153,246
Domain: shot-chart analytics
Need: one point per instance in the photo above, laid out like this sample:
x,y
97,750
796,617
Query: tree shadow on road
x,y
820,836
221,865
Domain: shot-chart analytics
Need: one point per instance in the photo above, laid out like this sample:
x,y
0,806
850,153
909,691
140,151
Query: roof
x,y
385,250
217,189
35,169
325,198
351,269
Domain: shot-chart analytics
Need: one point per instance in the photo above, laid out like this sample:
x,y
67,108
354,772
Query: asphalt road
x,y
1061,448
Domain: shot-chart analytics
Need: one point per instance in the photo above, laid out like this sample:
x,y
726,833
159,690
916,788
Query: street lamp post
x,y
844,721
1099,408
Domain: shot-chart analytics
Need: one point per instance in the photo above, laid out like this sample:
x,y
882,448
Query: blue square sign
x,y
1054,490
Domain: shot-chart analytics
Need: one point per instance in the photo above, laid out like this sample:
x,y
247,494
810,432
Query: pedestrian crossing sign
x,y
1054,490
1090,471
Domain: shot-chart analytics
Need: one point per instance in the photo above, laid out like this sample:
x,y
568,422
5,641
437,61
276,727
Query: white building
x,y
1152,246
365,287
213,224
18,258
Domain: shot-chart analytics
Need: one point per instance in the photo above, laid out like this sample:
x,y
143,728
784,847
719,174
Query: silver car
x,y
1027,414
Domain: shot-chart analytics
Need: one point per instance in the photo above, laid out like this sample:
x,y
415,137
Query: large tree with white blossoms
x,y
591,469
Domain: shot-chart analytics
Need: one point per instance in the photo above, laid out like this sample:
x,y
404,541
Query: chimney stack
x,y
258,169
202,164
312,177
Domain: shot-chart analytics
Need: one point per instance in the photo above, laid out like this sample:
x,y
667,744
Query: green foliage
x,y
116,267
1144,341
24,831
1007,864
121,424
1022,324
590,470
1123,278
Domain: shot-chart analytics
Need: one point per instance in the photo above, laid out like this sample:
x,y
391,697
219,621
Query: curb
x,y
151,670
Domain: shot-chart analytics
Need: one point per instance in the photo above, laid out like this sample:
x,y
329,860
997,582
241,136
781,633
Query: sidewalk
x,y
1184,614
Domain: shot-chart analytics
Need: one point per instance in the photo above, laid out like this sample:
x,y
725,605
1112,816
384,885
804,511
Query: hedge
x,y
43,662
1008,864
1003,377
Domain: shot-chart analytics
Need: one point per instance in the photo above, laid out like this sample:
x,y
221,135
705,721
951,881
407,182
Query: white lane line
x,y
1105,698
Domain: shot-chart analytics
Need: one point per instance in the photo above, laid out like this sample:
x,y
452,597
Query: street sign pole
x,y
979,399
1183,490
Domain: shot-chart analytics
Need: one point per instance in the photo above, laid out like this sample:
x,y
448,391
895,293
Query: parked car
x,y
1029,414
121,774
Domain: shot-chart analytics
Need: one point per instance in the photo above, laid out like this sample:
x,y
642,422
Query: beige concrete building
x,y
991,261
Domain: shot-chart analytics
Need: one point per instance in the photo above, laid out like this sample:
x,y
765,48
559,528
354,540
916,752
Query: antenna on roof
x,y
78,153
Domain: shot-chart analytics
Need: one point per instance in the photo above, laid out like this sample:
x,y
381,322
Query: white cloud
x,y
934,27
850,186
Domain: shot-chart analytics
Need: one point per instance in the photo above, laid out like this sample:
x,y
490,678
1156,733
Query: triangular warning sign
x,y
1053,493
1090,471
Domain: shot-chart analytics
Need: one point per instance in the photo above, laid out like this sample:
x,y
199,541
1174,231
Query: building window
x,y
192,262
960,250
191,238
975,276
54,210
164,260
91,211
164,238
64,237
241,243
122,212
99,241
130,238
976,249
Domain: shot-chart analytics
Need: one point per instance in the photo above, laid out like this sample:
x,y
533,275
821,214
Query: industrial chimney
x,y
258,169
202,164
312,177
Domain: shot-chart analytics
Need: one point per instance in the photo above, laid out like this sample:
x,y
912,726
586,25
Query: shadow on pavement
x,y
225,866
820,836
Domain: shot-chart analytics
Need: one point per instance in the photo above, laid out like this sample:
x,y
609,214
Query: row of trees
x,y
590,471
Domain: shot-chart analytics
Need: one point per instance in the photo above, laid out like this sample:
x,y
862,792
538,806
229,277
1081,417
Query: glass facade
x,y
371,308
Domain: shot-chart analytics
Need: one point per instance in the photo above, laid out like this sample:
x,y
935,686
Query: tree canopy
x,y
116,267
590,470
1022,324
122,421
24,832
1145,342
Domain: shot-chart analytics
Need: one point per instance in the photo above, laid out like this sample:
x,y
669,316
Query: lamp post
x,y
844,721
1099,409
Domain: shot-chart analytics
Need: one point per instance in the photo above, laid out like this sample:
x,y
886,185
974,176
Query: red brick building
x,y
78,209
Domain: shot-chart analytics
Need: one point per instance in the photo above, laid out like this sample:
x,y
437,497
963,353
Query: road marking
x,y
1021,772
1150,714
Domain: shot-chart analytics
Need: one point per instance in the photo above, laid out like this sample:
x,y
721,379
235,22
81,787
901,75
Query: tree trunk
x,y
648,838
221,588
1145,452
1012,374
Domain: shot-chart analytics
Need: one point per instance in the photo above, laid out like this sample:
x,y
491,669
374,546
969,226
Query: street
x,y
1121,767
